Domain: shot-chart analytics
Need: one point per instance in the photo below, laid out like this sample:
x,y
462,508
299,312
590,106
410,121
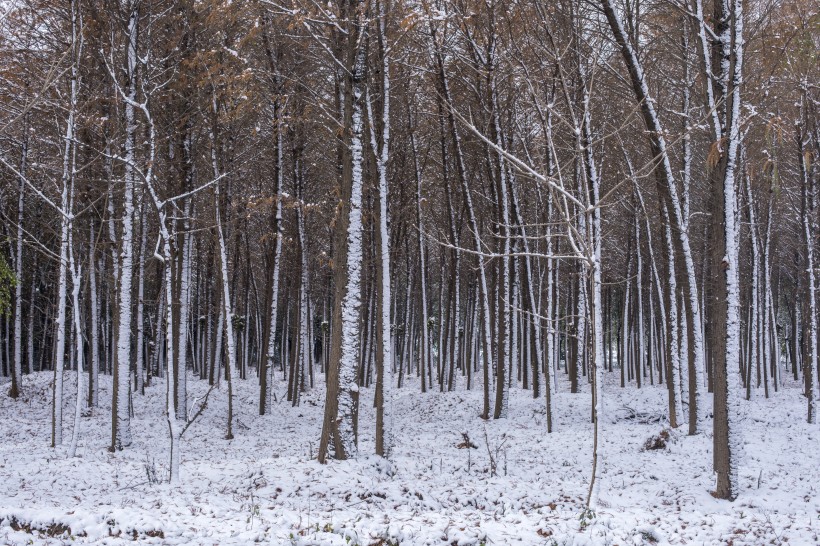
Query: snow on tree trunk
x,y
170,373
504,369
94,364
166,308
17,370
220,336
754,327
78,336
384,382
351,302
182,339
65,236
30,336
551,352
673,369
122,372
771,352
812,373
581,312
639,365
230,365
265,395
728,381
705,45
593,263
112,229
139,372
305,360
674,335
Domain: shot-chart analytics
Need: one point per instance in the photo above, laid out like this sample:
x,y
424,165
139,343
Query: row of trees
x,y
447,194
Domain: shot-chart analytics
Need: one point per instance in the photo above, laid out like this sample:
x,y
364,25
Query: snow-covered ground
x,y
266,486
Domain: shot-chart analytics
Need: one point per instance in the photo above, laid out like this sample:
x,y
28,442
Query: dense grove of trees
x,y
444,194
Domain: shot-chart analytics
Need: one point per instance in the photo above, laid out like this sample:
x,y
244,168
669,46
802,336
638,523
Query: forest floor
x,y
266,486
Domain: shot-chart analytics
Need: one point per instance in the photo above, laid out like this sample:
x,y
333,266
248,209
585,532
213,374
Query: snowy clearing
x,y
265,485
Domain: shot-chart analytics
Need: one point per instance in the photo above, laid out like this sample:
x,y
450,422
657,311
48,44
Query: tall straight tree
x,y
266,373
17,369
381,149
120,406
725,250
811,372
66,224
342,398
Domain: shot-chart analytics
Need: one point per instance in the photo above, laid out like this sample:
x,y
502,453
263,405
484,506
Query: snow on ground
x,y
266,486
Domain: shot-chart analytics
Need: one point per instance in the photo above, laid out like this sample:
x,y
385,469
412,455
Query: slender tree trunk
x,y
94,364
342,391
78,336
726,290
810,362
384,352
139,369
65,238
231,364
17,369
121,421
